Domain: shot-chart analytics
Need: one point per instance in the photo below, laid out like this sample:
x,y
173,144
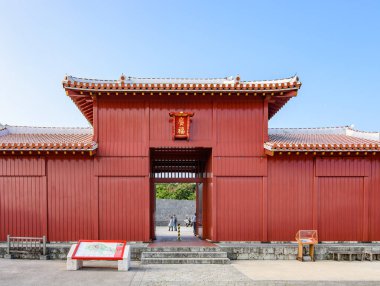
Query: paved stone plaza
x,y
35,272
163,234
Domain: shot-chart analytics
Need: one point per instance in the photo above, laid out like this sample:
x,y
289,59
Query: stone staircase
x,y
184,255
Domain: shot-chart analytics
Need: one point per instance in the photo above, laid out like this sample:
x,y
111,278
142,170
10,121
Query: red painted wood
x,y
22,206
161,126
22,166
208,207
70,194
374,201
239,126
240,166
120,128
239,204
365,208
265,209
340,208
345,167
290,197
121,166
124,208
246,195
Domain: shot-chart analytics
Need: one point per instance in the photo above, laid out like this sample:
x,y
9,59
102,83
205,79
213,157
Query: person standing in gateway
x,y
170,225
175,222
193,221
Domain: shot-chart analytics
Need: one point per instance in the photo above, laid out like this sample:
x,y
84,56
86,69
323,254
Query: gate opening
x,y
177,181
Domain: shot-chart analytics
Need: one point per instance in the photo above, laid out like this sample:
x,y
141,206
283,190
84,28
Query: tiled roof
x,y
22,138
135,83
322,139
83,91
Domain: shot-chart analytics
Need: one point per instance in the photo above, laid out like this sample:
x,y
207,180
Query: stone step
x,y
177,254
185,261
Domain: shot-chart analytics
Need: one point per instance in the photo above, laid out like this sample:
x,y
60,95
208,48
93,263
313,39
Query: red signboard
x,y
181,124
99,250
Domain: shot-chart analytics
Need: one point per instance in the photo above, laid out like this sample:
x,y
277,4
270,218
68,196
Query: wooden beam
x,y
178,180
269,152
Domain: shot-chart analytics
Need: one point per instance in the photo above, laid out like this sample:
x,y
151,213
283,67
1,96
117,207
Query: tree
x,y
175,191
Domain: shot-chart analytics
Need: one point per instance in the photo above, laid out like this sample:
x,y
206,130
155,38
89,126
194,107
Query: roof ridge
x,y
52,127
339,130
351,127
295,77
10,129
309,128
200,78
123,78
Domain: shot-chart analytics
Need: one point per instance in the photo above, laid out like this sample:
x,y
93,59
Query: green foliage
x,y
175,191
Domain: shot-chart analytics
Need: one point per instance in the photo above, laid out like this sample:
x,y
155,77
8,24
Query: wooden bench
x,y
26,245
372,254
339,254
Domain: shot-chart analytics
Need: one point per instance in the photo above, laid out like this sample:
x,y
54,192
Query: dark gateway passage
x,y
180,165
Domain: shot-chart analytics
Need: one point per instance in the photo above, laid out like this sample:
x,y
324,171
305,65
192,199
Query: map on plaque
x,y
99,250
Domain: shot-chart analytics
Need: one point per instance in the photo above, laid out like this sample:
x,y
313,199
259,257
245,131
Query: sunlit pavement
x,y
35,272
163,234
293,270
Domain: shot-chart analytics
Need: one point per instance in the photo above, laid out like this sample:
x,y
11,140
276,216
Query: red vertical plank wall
x,y
22,206
239,166
161,125
123,128
342,186
239,128
239,205
22,197
374,201
22,166
71,189
290,197
122,169
340,213
124,208
208,193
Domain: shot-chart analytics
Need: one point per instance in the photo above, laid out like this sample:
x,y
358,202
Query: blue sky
x,y
334,47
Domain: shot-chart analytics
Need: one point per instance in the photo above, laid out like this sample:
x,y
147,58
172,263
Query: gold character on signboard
x,y
181,126
181,130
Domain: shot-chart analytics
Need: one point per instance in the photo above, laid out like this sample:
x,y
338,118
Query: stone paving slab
x,y
263,273
34,272
302,273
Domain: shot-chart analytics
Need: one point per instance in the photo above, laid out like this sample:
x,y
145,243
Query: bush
x,y
175,191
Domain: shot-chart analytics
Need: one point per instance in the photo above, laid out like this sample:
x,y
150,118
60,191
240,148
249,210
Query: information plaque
x,y
99,250
306,238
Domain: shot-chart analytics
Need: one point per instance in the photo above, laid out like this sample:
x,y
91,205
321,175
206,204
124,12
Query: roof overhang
x,y
22,140
83,92
322,141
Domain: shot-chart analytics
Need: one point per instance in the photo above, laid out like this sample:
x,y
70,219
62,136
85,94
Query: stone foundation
x,y
287,251
235,251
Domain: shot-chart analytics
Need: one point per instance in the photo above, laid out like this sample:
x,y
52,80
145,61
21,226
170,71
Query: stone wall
x,y
235,251
181,208
288,251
